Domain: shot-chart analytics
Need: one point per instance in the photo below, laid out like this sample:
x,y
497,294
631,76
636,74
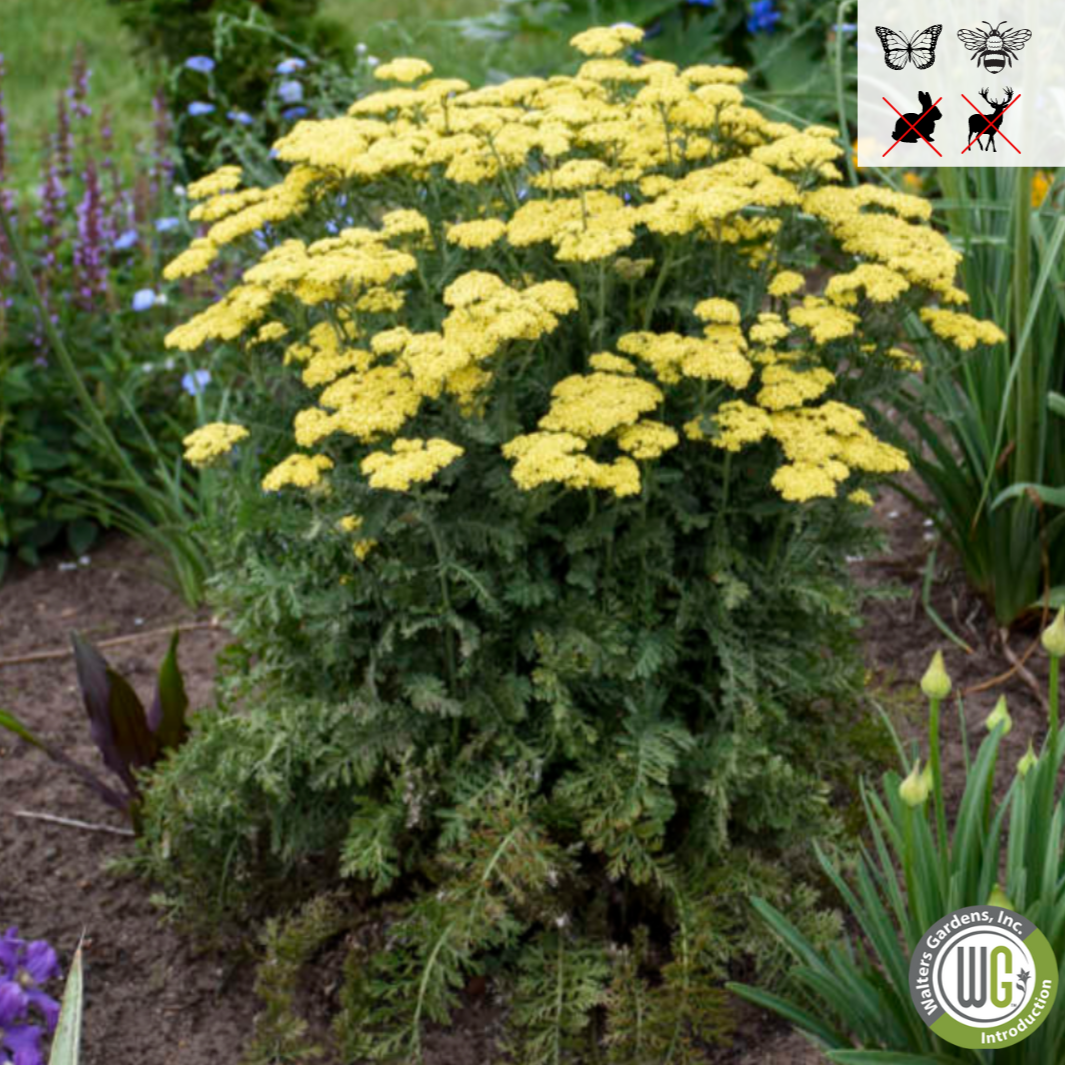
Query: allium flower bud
x,y
998,897
1054,636
1027,761
915,789
936,682
999,716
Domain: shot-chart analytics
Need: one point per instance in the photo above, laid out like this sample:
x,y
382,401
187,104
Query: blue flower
x,y
144,299
198,107
202,64
703,3
125,241
165,225
846,27
763,17
293,113
291,92
242,118
194,383
290,66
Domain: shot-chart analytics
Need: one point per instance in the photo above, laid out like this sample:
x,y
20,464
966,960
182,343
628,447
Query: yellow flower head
x,y
411,461
607,40
210,442
297,471
786,283
720,311
403,70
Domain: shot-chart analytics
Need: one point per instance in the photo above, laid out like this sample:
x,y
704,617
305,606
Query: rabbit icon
x,y
911,126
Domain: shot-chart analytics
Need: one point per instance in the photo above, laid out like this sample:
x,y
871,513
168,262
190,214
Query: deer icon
x,y
988,125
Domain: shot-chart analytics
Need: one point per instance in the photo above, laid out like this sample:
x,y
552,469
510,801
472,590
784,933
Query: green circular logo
x,y
983,977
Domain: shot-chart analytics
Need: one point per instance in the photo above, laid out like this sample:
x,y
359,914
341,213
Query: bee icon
x,y
992,48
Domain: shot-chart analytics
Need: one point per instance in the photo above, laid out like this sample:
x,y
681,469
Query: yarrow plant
x,y
559,520
27,1012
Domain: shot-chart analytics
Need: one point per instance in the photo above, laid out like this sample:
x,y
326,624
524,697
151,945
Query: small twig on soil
x,y
1017,667
88,826
115,641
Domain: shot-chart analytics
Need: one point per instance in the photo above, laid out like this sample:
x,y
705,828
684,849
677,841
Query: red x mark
x,y
992,118
912,126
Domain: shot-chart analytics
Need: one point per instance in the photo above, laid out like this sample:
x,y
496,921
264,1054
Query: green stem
x,y
1027,418
841,96
445,597
1055,697
656,291
937,789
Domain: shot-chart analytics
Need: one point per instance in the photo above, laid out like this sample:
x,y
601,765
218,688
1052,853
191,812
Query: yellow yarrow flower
x,y
224,179
717,310
607,40
962,329
481,233
558,458
403,70
297,471
205,445
597,404
412,461
786,283
647,439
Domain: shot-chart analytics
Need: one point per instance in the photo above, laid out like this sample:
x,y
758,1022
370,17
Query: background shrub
x,y
95,237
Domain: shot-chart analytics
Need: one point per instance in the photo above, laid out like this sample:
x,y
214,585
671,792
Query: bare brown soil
x,y
154,996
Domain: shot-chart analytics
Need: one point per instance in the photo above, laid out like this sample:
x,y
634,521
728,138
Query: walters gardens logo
x,y
983,977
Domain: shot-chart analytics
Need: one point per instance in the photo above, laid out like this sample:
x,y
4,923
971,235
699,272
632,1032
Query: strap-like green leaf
x,y
789,1011
13,724
66,1043
166,718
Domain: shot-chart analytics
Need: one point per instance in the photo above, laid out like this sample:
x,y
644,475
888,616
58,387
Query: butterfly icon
x,y
920,48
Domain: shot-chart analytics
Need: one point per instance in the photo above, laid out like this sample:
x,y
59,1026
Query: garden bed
x,y
155,996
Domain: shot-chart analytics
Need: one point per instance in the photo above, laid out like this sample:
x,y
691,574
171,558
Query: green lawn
x,y
38,39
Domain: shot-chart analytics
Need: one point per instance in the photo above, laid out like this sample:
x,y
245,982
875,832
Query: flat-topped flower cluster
x,y
614,263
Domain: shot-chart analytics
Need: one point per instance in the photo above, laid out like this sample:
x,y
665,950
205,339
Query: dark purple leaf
x,y
117,721
166,718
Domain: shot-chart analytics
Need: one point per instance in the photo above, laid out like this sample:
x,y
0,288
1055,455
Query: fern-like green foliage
x,y
281,1033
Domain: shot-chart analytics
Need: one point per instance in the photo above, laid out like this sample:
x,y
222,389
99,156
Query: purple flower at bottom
x,y
293,113
194,383
198,107
24,966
